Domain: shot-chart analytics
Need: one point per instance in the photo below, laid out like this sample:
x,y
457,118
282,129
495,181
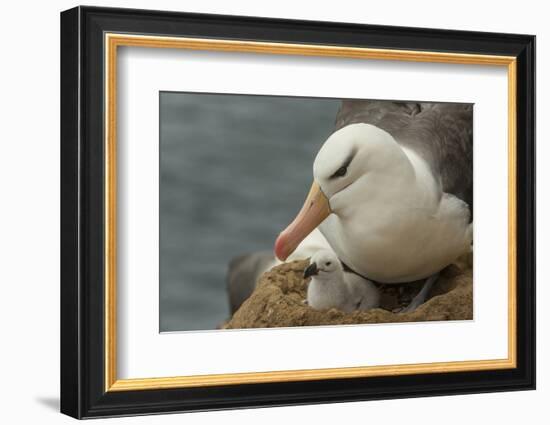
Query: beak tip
x,y
279,248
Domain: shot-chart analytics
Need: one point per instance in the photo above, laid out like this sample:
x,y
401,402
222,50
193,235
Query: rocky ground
x,y
278,301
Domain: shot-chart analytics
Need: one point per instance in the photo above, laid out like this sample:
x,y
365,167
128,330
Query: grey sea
x,y
234,170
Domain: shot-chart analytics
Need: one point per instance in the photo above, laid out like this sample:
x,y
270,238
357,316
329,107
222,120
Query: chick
x,y
332,287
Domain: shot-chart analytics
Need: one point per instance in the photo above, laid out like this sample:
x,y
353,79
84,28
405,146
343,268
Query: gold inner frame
x,y
113,41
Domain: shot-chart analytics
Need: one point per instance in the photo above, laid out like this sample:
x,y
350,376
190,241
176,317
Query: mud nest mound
x,y
278,301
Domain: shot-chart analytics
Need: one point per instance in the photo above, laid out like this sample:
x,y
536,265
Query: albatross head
x,y
357,165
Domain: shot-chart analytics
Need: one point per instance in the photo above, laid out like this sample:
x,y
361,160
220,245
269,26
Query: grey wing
x,y
243,274
390,116
441,133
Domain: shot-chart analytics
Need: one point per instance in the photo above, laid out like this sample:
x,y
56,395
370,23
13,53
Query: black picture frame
x,y
83,392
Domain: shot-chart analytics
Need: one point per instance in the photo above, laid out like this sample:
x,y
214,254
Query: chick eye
x,y
340,172
328,263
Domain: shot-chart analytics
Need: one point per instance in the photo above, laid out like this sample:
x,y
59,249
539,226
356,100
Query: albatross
x,y
392,191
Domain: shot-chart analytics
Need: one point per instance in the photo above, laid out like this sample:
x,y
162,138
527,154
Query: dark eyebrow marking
x,y
346,163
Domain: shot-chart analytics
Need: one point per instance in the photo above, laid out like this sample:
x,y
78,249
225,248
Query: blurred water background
x,y
234,170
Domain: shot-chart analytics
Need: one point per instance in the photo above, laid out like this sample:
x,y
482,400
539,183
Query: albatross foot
x,y
421,297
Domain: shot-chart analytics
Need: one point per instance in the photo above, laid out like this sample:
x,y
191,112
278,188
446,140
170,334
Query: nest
x,y
278,301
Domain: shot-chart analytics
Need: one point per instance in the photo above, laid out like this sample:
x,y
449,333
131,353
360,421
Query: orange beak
x,y
315,209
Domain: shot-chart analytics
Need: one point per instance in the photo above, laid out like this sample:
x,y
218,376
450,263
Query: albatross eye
x,y
328,263
340,172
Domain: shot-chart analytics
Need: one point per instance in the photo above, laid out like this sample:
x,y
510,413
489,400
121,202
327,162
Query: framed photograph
x,y
261,212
